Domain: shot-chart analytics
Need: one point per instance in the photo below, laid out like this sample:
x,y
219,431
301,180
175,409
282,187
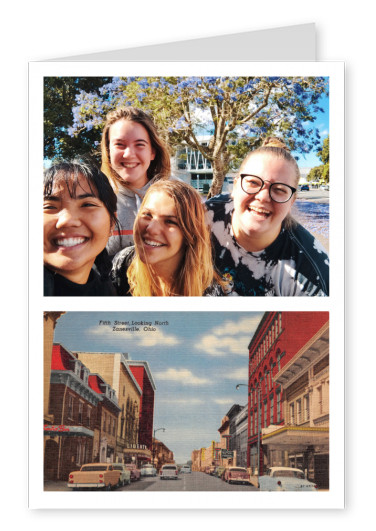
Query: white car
x,y
169,472
185,469
148,470
285,478
125,475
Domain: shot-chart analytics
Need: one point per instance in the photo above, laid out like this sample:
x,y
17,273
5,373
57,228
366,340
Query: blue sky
x,y
196,361
310,160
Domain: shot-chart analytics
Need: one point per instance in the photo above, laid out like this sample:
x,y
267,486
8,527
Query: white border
x,y
334,498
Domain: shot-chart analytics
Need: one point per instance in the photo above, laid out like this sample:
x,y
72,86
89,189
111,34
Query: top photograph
x,y
186,186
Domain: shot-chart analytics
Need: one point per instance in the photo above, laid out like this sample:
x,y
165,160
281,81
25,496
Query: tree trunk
x,y
220,168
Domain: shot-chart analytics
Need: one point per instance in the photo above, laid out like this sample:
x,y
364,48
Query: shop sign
x,y
227,454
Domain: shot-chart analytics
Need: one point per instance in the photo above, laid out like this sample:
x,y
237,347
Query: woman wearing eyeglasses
x,y
259,248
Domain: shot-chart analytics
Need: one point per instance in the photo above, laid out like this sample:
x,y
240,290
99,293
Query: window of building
x,y
70,406
265,413
272,410
88,416
299,411
251,425
306,408
292,414
80,412
278,407
104,421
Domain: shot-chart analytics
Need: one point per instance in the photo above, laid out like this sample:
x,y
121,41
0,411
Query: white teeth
x,y
153,244
260,210
69,242
129,165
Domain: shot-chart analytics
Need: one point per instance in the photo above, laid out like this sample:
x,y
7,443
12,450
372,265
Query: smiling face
x,y
257,220
131,152
158,236
76,230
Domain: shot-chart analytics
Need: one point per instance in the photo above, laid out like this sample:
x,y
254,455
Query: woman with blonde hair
x,y
172,253
259,248
134,156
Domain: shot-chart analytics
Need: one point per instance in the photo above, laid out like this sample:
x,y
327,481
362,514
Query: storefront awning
x,y
138,452
67,431
297,438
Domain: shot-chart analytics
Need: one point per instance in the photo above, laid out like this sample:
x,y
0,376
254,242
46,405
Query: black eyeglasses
x,y
279,192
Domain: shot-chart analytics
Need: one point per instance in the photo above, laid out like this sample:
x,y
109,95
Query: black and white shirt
x,y
295,264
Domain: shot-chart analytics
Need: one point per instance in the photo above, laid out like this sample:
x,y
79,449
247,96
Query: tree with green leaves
x,y
321,173
236,112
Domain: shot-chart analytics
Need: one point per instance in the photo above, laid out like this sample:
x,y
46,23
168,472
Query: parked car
x,y
325,187
135,472
236,474
304,187
125,474
185,469
94,476
169,471
220,471
148,470
285,478
212,470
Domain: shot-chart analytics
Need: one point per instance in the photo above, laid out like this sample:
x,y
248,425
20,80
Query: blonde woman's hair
x,y
160,167
196,272
275,147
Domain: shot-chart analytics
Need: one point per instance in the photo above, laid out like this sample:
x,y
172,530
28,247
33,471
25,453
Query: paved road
x,y
196,481
315,196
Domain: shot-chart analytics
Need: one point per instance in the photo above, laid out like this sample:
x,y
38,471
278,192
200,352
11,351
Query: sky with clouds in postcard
x,y
196,361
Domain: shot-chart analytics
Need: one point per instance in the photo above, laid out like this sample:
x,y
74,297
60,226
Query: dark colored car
x,y
304,187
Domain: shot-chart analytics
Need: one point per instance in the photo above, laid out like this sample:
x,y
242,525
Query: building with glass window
x,y
288,407
192,167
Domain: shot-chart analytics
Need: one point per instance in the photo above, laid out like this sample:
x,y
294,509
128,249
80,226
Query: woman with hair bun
x,y
259,248
172,255
134,157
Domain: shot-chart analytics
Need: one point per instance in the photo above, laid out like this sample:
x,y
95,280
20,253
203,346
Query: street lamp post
x,y
153,445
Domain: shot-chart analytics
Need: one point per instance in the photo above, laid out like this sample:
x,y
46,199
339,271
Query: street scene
x,y
196,481
186,401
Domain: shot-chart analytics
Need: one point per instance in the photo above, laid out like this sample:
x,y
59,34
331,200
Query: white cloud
x,y
232,337
223,346
238,374
224,401
181,401
183,376
246,325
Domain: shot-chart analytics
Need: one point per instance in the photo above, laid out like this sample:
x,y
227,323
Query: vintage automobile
x,y
220,471
125,474
169,471
94,476
236,474
148,470
285,479
185,469
135,472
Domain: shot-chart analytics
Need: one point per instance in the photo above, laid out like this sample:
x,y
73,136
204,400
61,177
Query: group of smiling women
x,y
132,229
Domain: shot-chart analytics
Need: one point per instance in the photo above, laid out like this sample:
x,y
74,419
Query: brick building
x,y
286,352
74,414
144,378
